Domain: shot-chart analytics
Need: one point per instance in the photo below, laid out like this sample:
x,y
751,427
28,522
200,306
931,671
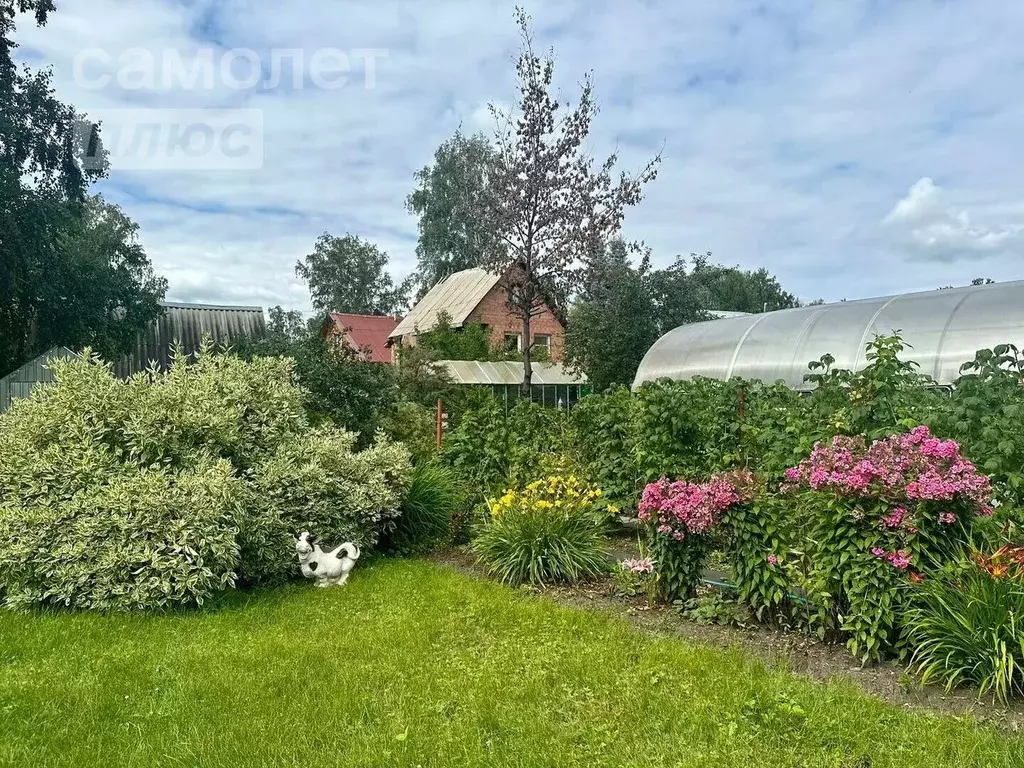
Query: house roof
x,y
508,372
458,295
368,331
187,324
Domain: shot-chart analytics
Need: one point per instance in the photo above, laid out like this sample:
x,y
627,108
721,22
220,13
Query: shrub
x,y
316,482
986,416
679,518
428,510
552,531
416,427
491,450
876,517
160,490
604,436
966,625
146,538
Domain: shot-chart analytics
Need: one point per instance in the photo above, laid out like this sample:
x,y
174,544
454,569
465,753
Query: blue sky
x,y
853,148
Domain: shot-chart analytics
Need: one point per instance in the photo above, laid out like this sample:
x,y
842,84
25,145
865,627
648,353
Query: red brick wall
x,y
493,312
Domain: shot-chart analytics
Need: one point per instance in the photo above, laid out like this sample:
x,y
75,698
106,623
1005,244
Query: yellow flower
x,y
612,509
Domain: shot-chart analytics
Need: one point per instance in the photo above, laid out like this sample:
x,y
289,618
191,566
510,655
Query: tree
x,y
547,206
614,321
736,290
103,291
348,274
451,237
48,156
341,387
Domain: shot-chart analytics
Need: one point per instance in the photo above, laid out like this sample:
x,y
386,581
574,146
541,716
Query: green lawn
x,y
412,664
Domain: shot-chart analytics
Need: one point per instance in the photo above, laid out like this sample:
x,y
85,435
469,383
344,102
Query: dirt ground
x,y
796,652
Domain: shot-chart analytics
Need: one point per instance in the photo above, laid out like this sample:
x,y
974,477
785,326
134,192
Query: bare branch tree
x,y
546,203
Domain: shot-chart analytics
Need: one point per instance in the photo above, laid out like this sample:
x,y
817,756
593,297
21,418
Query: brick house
x,y
475,296
366,333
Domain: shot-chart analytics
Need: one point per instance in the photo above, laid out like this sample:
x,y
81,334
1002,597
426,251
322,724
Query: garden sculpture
x,y
328,568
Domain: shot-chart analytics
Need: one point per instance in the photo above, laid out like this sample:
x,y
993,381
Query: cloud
x,y
931,228
789,129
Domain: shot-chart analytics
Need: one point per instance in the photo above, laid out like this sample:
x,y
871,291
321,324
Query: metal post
x,y
439,413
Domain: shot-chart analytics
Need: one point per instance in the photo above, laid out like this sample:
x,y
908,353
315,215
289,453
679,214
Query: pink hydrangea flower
x,y
947,518
878,552
773,560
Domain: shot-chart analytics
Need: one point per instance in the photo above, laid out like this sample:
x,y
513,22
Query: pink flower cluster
x,y
678,508
910,467
640,565
898,559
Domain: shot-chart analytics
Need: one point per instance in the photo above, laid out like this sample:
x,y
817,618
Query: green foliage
x,y
163,489
680,565
552,531
717,608
491,450
756,531
451,237
669,433
966,627
986,416
428,510
414,426
339,386
468,342
603,433
614,321
316,482
146,538
349,274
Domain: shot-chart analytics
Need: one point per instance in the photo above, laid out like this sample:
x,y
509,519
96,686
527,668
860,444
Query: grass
x,y
416,665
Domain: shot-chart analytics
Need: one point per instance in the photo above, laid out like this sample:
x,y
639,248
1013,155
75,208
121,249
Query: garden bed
x,y
794,651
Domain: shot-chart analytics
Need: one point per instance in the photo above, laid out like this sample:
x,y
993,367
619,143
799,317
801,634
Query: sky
x,y
854,149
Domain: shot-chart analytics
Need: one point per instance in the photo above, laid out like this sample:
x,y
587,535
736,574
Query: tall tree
x,y
614,320
738,290
546,204
451,237
104,290
349,274
48,156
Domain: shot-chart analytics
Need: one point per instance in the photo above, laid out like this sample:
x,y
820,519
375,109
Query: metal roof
x,y
187,324
458,295
508,372
944,327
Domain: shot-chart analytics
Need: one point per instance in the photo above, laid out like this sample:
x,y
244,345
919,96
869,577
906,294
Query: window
x,y
513,342
542,340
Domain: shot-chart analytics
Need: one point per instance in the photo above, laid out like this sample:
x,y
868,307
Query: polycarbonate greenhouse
x,y
944,327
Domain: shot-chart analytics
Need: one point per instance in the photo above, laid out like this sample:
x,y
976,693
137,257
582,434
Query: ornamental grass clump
x,y
877,518
966,624
680,517
551,531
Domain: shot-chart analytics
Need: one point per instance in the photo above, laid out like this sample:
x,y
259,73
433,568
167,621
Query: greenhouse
x,y
944,328
553,384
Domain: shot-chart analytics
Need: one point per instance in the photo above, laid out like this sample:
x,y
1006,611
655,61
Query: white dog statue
x,y
328,568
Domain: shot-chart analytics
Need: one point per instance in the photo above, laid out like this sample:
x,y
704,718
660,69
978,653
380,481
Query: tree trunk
x,y
527,365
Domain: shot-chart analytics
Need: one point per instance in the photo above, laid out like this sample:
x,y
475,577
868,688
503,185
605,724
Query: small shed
x,y
553,384
20,383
